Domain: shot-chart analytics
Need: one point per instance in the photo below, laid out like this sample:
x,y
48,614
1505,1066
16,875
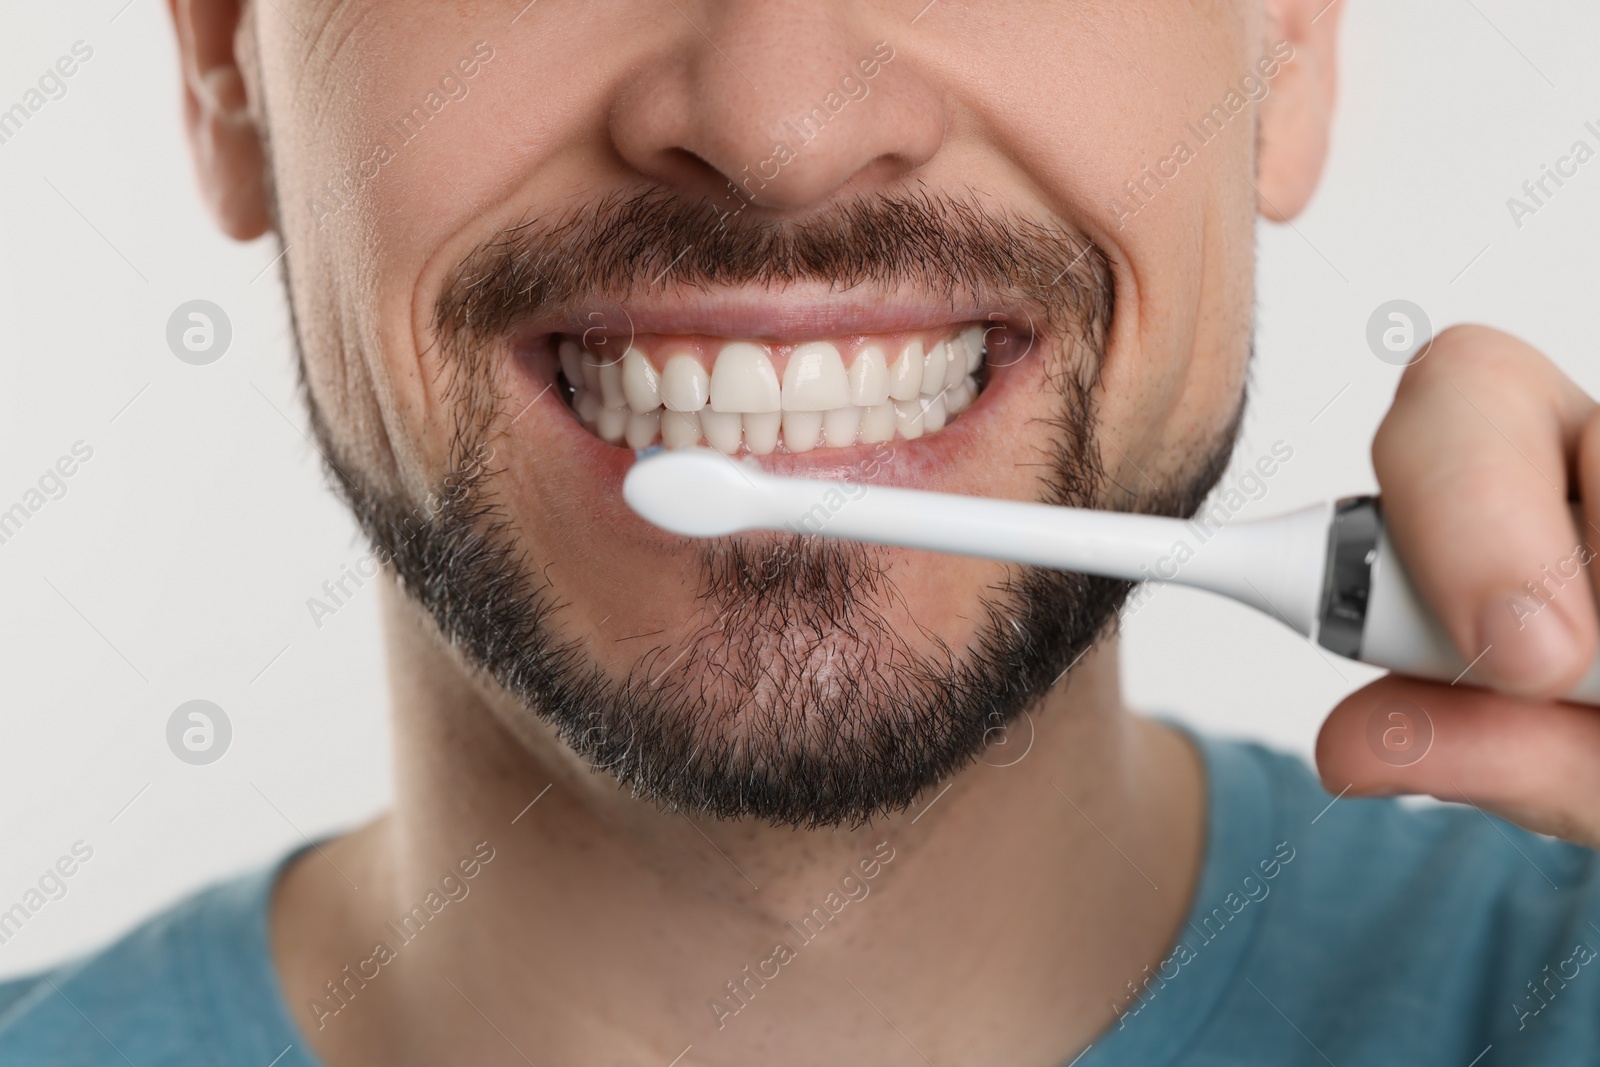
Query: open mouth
x,y
758,398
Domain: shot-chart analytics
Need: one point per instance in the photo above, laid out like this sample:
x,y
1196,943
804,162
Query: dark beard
x,y
794,701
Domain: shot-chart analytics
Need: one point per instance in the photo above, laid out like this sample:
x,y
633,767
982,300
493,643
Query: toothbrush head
x,y
697,492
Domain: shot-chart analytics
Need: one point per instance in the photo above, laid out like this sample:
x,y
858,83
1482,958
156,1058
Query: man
x,y
785,800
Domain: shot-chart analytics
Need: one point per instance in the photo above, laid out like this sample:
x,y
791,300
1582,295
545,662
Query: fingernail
x,y
1526,644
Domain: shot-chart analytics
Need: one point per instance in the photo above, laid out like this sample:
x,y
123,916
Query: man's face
x,y
958,244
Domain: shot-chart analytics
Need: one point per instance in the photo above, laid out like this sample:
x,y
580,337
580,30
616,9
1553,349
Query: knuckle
x,y
1473,353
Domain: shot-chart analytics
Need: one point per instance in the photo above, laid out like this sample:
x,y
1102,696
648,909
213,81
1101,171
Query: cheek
x,y
1182,245
364,217
1176,367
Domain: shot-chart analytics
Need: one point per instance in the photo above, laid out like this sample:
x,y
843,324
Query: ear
x,y
224,130
1296,117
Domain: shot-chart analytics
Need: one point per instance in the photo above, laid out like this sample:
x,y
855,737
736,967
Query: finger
x,y
1589,489
1532,763
1476,460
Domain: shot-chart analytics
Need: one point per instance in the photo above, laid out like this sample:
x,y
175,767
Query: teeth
x,y
722,429
941,362
972,337
956,372
643,429
959,398
839,426
679,429
612,424
877,423
801,430
684,384
640,382
589,371
908,418
611,394
742,404
935,368
743,380
905,376
761,431
587,405
572,363
869,378
814,380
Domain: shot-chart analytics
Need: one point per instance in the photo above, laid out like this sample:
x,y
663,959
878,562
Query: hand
x,y
1485,444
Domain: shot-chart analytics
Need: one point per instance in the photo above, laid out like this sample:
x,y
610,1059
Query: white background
x,y
179,562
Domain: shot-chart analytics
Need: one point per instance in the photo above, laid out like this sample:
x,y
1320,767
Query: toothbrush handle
x,y
1371,611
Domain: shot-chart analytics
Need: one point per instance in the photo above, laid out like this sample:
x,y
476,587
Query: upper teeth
x,y
743,380
742,401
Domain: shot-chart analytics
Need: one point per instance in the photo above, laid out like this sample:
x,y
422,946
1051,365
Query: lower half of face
x,y
918,329
785,675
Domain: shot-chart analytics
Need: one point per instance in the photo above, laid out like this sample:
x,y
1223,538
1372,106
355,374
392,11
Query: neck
x,y
999,919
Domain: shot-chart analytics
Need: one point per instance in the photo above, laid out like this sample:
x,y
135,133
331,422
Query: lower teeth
x,y
761,434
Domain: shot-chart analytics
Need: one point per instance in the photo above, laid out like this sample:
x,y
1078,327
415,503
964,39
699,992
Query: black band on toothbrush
x,y
1352,548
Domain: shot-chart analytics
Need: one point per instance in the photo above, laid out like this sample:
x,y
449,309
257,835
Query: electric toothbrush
x,y
1329,571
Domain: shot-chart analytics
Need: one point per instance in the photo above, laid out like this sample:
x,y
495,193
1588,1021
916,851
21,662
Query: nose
x,y
781,103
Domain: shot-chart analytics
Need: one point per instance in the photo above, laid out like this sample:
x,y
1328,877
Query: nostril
x,y
692,173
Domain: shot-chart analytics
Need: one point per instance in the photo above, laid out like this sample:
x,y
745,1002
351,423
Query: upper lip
x,y
797,312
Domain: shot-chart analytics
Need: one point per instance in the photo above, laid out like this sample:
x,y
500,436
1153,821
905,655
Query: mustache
x,y
946,245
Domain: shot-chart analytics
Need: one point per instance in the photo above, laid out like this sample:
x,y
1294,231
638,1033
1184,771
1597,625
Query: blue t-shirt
x,y
1348,932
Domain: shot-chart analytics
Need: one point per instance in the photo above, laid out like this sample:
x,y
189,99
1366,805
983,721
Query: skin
x,y
1007,920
